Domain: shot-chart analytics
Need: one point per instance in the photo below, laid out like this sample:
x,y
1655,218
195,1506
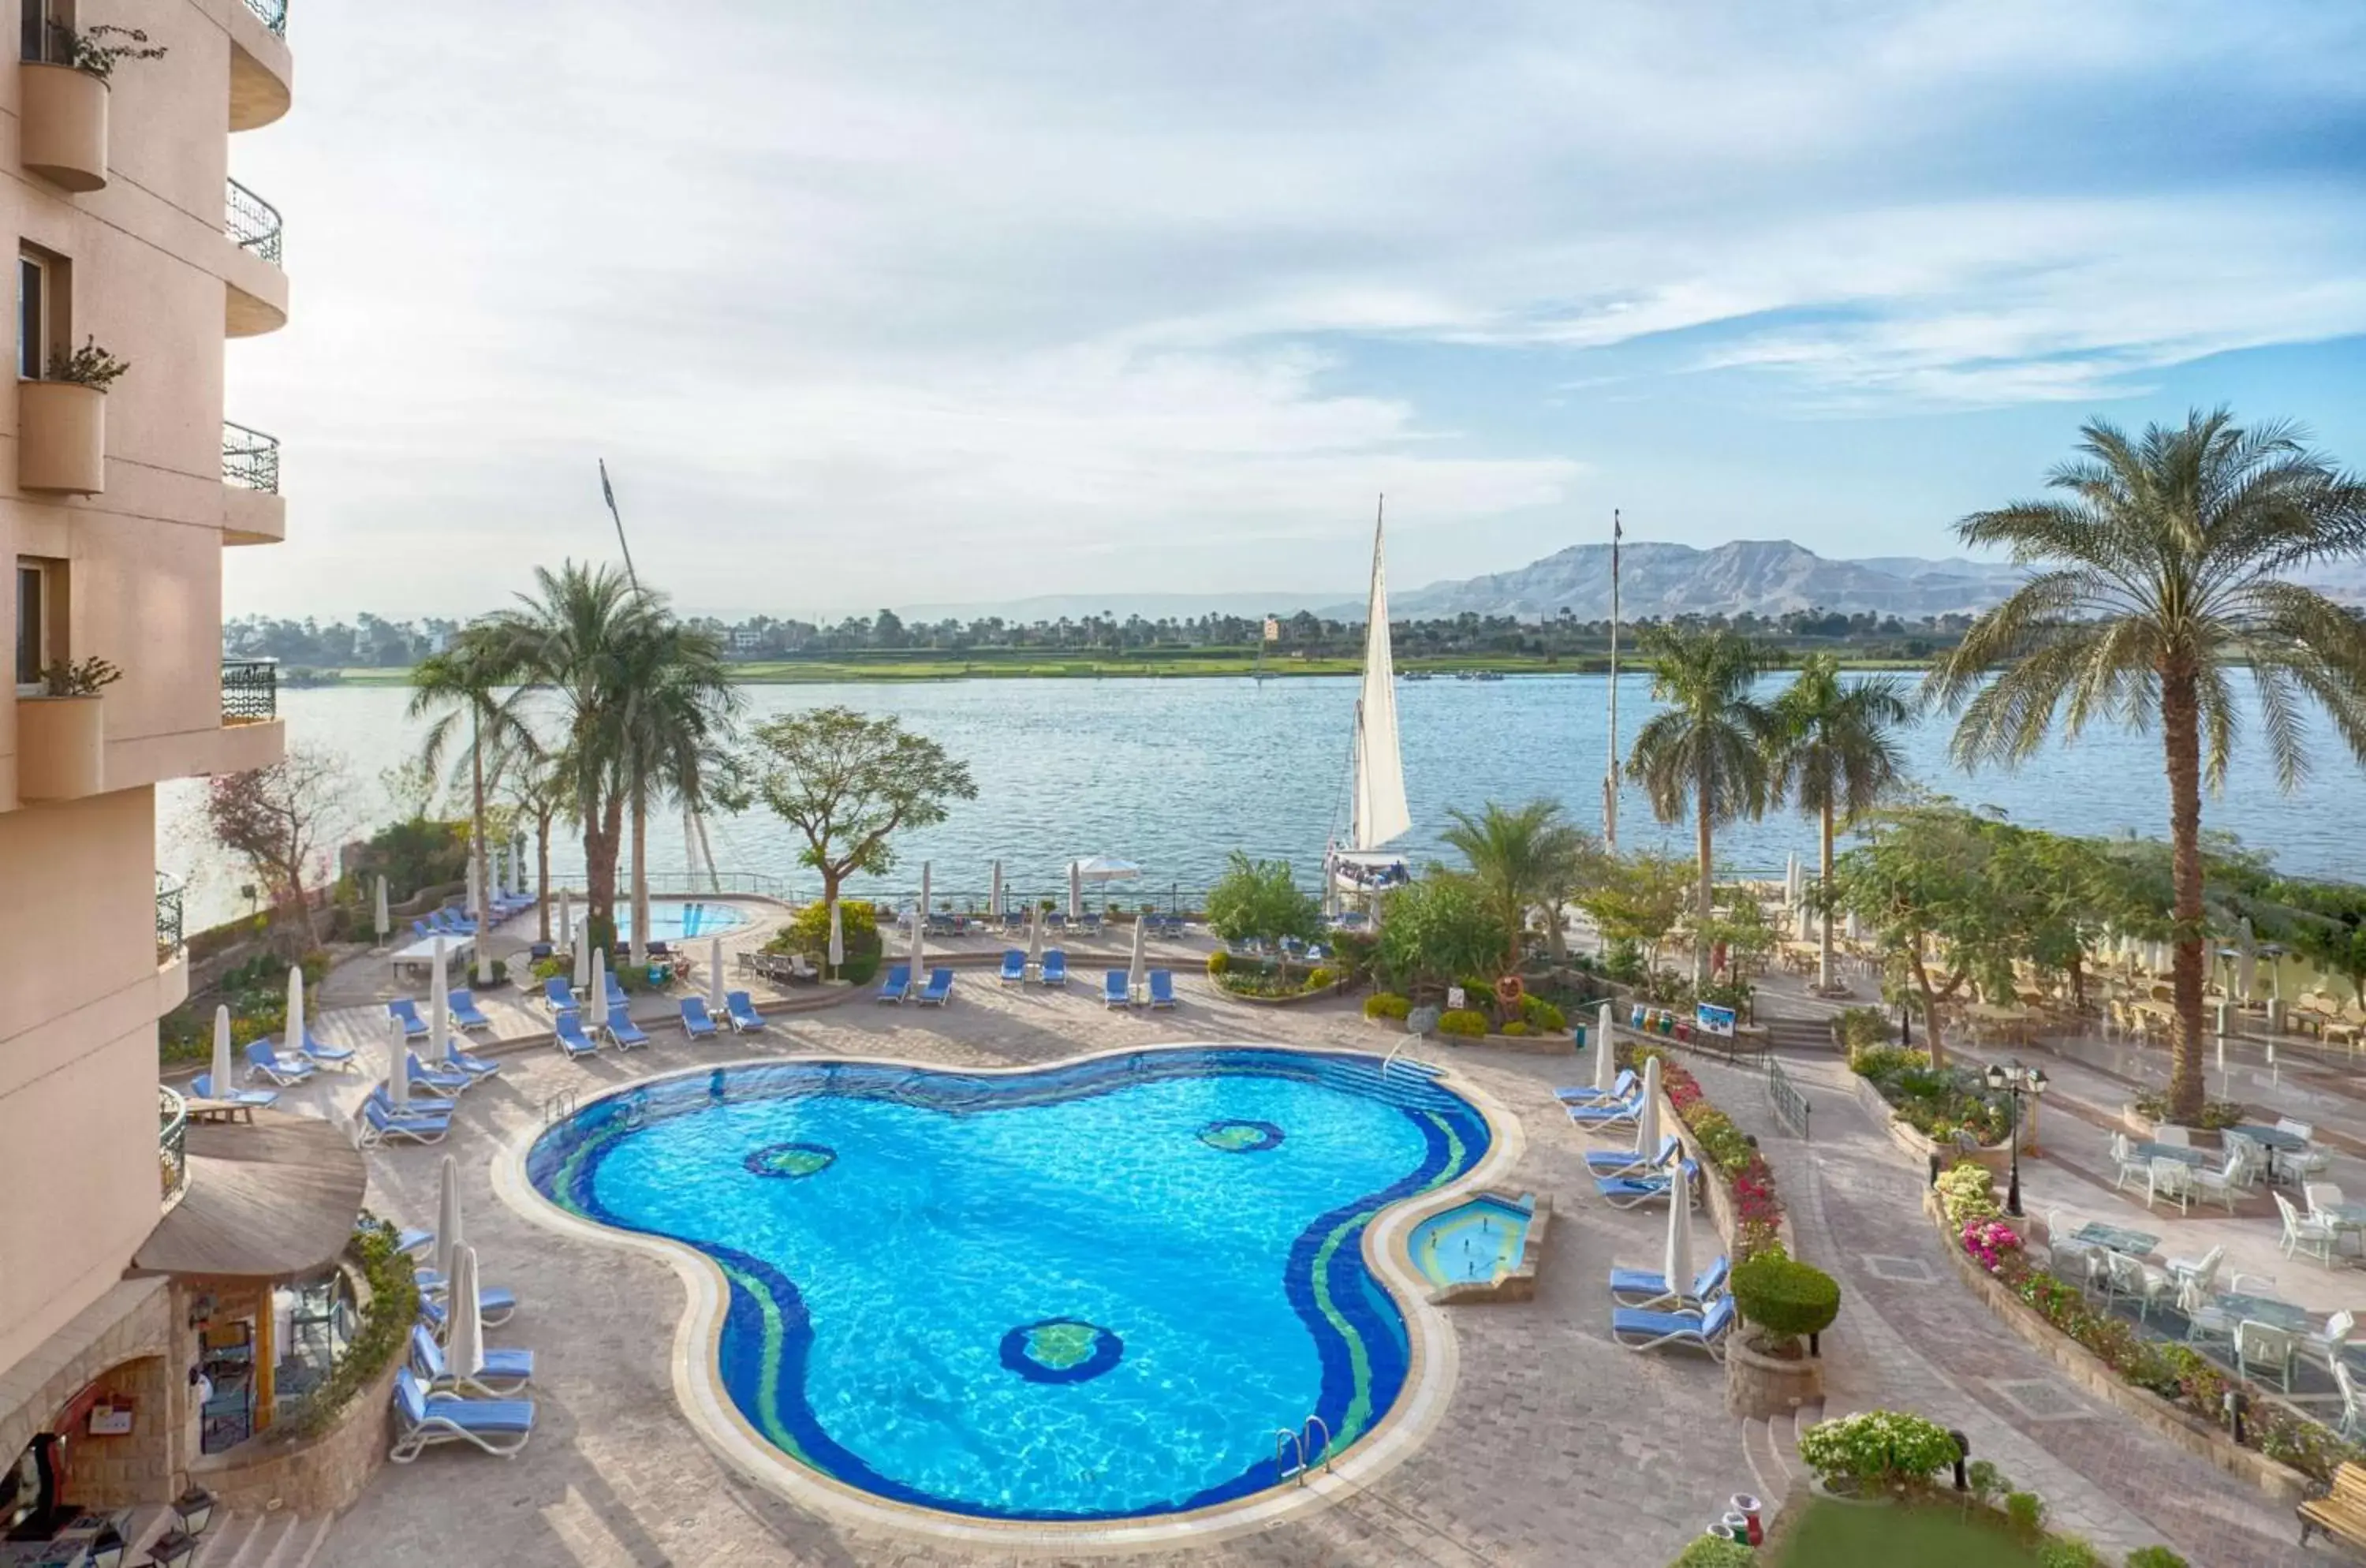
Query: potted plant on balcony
x,y
61,732
62,101
61,422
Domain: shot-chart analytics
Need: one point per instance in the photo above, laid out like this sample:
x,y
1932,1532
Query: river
x,y
1174,773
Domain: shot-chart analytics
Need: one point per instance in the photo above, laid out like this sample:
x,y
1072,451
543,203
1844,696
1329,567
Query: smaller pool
x,y
1471,1243
682,921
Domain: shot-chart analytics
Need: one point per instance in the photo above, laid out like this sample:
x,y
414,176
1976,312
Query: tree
x,y
1706,751
538,791
1438,929
848,783
676,713
1834,757
1522,856
280,820
1637,897
1257,900
468,682
2162,570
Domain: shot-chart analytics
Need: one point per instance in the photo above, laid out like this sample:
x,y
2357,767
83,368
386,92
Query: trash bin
x,y
1577,1034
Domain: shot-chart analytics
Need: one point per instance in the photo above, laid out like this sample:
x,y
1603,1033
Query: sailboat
x,y
1363,865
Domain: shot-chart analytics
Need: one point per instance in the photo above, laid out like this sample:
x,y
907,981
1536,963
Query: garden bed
x,y
1942,1111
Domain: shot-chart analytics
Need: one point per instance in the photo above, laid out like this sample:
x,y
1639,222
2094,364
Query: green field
x,y
1832,1535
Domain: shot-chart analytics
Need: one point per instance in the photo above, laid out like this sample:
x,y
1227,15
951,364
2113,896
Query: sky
x,y
888,303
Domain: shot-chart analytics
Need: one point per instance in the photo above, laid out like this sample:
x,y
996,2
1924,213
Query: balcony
x,y
250,689
168,918
256,288
61,438
253,510
172,1143
261,70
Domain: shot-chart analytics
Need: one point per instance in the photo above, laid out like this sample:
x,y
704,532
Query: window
x,y
40,619
48,30
32,314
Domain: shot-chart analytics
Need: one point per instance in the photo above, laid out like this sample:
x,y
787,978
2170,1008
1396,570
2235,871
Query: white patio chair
x,y
2328,1344
2299,1165
2200,1273
2172,1137
2309,1234
2221,1184
2166,1177
2353,1408
2131,1279
2304,1131
2249,1160
2261,1348
2132,1167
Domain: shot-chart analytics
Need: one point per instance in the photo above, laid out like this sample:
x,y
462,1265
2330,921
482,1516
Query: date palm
x,y
1834,758
466,684
676,704
1706,751
1523,856
2161,577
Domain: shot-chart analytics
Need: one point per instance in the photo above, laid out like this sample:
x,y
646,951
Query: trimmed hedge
x,y
1783,1296
1387,1004
1219,964
1464,1023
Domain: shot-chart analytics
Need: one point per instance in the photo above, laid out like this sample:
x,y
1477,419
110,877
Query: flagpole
x,y
1610,777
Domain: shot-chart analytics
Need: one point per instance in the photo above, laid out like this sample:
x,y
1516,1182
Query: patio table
x,y
420,956
2275,1138
2197,1158
2262,1309
2112,1239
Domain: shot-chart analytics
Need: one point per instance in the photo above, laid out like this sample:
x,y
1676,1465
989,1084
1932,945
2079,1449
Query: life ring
x,y
1508,991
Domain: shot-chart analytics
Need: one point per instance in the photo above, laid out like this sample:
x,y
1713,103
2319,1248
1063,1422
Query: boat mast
x,y
1610,775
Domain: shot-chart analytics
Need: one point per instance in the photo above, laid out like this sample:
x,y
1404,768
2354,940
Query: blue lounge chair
x,y
493,1309
406,1011
567,1029
422,930
1113,991
898,985
381,1125
322,1054
1641,1330
627,1034
442,1082
557,996
741,1008
1618,1112
939,990
261,1061
495,1305
1633,1192
617,1001
422,1420
466,1013
504,1372
696,1022
443,922
1649,1287
414,1240
202,1085
1627,1162
1586,1094
478,1068
1162,987
1014,968
1056,968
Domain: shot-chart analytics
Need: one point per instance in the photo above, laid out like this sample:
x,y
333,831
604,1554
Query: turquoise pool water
x,y
1470,1242
1092,1292
680,921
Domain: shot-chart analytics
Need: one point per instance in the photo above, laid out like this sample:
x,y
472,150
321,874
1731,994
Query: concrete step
x,y
262,1541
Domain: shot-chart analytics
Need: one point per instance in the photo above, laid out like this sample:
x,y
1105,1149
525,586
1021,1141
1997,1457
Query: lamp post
x,y
2016,1080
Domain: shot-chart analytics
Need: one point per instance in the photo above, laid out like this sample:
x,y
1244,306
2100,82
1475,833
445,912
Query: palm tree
x,y
2161,571
678,700
538,791
1834,755
466,681
1522,856
1706,751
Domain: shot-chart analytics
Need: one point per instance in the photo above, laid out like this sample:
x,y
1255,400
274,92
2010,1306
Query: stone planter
x,y
60,748
1994,1157
62,125
1758,1386
60,435
2143,1129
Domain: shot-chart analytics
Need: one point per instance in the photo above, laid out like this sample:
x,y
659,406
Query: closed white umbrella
x,y
398,1077
714,973
2247,961
379,922
447,1216
1856,929
223,1085
566,918
1035,939
920,924
837,954
1137,974
294,1030
483,912
1647,1121
439,1011
994,899
464,1334
1801,924
1676,1263
1791,881
517,861
1606,1068
583,962
595,1003
476,897
1076,890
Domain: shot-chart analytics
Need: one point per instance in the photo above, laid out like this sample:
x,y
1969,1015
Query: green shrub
x,y
1783,1296
2155,1557
1517,1028
1707,1551
553,969
1876,1448
1220,964
2069,1551
1387,1004
1967,1192
1542,1016
1322,977
1986,1481
2217,1115
1863,1029
384,1332
1470,1025
2025,1511
1260,898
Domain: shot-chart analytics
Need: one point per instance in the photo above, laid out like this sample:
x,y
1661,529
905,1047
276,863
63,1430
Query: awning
x,y
273,1200
1106,868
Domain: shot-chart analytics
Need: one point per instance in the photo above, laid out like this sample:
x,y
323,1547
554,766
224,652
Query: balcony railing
x,y
172,1143
250,458
251,223
273,14
168,918
250,689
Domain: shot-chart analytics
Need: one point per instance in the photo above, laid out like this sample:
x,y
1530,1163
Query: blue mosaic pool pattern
x,y
1039,1296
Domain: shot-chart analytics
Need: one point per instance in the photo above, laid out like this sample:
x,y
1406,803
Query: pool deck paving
x,y
1557,1446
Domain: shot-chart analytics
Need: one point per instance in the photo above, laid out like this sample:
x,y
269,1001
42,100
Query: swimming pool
x,y
1093,1292
681,920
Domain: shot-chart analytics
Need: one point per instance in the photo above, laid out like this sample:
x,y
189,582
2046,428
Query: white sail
x,y
1381,810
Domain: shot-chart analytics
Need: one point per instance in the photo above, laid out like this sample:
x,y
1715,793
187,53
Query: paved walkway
x,y
1557,1446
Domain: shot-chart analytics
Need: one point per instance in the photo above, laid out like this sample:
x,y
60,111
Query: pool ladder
x,y
1402,1048
1301,1447
561,1104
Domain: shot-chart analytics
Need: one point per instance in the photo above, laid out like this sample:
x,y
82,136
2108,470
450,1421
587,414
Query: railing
x,y
250,689
172,1143
250,458
273,12
251,223
168,918
1791,1107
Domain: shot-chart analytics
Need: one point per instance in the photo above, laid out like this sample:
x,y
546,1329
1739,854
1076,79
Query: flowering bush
x,y
1730,1153
1876,1448
1966,1193
1992,1243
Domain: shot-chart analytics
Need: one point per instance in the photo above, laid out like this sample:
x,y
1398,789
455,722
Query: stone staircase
x,y
263,1541
1773,1449
1368,1527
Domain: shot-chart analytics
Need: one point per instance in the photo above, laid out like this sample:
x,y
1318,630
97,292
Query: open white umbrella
x,y
836,953
464,1333
595,997
1076,890
380,922
1137,974
714,973
398,1075
1106,868
1035,939
223,1084
447,1216
566,918
994,898
1646,1120
1606,1067
1676,1263
295,1034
